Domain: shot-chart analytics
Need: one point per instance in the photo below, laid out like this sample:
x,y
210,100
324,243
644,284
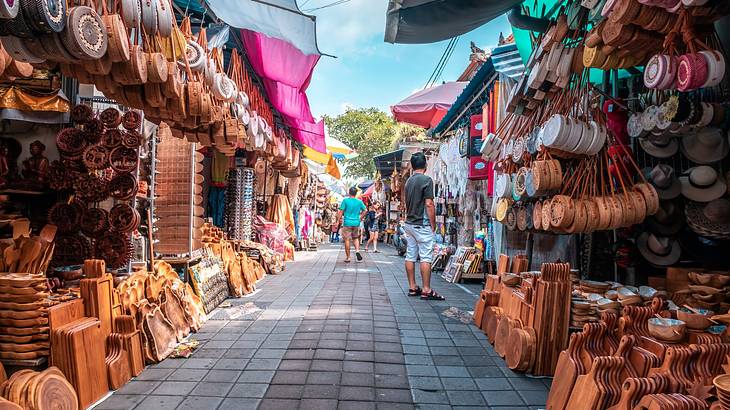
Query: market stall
x,y
137,173
626,178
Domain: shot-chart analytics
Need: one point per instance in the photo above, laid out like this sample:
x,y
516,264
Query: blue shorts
x,y
420,243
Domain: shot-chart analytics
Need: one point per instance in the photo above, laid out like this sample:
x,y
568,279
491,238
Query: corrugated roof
x,y
484,73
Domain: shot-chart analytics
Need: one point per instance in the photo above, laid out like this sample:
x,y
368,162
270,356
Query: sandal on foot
x,y
358,256
432,295
415,292
347,261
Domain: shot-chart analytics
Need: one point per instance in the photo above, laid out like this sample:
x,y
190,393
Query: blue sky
x,y
369,72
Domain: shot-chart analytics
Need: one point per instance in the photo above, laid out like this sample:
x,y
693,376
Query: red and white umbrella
x,y
427,107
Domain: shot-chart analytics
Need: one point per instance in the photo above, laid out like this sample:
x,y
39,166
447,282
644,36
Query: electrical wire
x,y
445,57
446,61
334,3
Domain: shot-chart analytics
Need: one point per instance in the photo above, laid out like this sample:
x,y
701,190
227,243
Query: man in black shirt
x,y
419,227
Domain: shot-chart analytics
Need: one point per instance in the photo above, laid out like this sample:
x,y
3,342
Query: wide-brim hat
x,y
660,251
702,184
668,221
664,180
711,219
659,147
705,147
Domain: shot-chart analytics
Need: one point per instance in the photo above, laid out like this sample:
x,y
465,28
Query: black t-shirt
x,y
418,189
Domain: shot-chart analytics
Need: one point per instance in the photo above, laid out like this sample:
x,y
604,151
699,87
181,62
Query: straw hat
x,y
702,184
659,146
668,220
664,180
658,250
711,219
707,146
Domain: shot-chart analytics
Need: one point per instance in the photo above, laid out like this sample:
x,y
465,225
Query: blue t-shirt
x,y
351,209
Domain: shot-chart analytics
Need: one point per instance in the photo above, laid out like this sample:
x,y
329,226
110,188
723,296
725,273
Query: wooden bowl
x,y
668,330
697,321
722,383
704,290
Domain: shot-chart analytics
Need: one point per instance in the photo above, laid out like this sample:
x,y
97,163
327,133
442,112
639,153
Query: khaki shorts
x,y
350,232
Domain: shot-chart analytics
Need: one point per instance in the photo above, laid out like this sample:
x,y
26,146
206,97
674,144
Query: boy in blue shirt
x,y
350,215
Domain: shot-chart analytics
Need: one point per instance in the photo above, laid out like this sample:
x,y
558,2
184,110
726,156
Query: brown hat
x,y
668,220
658,250
702,184
707,146
711,219
664,180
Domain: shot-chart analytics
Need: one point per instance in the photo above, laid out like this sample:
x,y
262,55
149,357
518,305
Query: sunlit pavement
x,y
332,335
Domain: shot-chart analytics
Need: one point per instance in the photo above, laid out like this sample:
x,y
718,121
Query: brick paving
x,y
329,335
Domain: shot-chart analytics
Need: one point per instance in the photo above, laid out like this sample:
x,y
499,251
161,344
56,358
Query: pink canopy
x,y
427,107
278,60
286,73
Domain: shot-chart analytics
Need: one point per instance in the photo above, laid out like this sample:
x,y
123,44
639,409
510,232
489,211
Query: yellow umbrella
x,y
325,159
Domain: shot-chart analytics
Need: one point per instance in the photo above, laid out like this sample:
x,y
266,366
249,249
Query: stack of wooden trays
x,y
79,351
178,188
23,316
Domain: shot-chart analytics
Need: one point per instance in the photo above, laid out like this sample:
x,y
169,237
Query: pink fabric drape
x,y
290,101
310,134
286,74
278,60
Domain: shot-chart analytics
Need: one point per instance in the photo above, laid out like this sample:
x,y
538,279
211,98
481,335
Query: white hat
x,y
659,146
666,183
702,184
658,250
707,146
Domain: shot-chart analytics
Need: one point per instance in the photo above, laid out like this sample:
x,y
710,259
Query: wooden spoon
x,y
697,312
21,227
29,254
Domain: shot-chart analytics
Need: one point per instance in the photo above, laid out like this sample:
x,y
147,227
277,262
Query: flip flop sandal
x,y
415,292
358,256
347,261
432,296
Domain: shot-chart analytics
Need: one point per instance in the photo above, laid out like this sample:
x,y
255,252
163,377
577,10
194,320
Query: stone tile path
x,y
329,335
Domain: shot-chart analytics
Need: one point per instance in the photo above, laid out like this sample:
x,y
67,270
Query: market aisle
x,y
327,335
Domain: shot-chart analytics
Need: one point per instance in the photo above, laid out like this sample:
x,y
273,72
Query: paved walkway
x,y
329,335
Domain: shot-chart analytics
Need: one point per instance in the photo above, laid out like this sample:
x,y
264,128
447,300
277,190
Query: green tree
x,y
369,131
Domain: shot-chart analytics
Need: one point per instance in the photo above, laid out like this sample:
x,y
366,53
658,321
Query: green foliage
x,y
369,131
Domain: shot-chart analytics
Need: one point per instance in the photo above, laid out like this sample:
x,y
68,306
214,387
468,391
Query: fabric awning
x,y
279,19
429,21
386,163
427,107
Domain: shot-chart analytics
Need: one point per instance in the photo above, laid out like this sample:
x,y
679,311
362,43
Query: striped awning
x,y
506,59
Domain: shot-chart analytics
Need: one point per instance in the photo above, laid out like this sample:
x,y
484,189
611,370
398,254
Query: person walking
x,y
372,224
419,227
351,212
335,236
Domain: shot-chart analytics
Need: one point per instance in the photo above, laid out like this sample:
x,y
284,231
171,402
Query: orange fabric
x,y
15,98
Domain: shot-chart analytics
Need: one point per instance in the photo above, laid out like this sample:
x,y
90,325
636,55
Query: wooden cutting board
x,y
161,334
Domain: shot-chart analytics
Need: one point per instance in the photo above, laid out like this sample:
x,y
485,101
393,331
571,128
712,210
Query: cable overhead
x,y
334,3
443,55
446,61
440,67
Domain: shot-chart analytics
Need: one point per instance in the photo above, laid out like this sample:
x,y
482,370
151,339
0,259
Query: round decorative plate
x,y
85,36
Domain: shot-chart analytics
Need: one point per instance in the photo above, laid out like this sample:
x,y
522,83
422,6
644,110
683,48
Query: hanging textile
x,y
280,213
